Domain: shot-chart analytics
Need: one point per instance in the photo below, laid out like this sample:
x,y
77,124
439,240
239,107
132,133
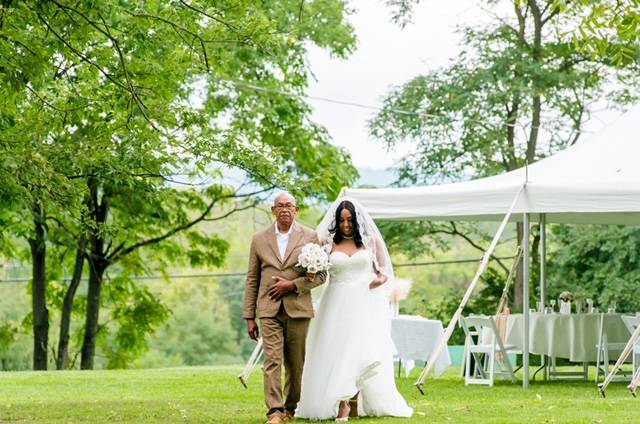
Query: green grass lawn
x,y
213,394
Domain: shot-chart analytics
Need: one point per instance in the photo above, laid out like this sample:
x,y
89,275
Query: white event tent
x,y
595,181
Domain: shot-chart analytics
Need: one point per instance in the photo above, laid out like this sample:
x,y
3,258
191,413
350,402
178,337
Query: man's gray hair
x,y
284,194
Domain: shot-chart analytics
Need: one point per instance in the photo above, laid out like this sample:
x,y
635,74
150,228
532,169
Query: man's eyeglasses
x,y
285,206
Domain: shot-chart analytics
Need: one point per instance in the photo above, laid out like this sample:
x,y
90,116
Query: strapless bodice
x,y
350,269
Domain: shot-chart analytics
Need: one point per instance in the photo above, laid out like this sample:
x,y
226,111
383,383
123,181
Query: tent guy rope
x,y
465,299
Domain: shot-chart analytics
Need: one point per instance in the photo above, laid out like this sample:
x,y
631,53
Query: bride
x,y
349,347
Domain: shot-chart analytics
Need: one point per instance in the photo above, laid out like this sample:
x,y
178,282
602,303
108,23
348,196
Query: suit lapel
x,y
294,239
273,243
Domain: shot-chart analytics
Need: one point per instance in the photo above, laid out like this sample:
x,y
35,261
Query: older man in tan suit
x,y
278,294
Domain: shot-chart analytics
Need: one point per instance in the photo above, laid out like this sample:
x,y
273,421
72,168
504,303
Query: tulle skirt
x,y
349,351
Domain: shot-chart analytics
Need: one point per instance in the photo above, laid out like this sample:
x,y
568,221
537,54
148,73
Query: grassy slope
x,y
213,394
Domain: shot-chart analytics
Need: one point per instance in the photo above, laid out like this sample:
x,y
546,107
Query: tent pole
x,y
543,259
442,344
525,303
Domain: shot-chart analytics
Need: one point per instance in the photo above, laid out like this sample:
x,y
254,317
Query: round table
x,y
415,338
571,336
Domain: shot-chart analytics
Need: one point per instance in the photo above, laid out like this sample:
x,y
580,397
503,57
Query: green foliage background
x,y
598,262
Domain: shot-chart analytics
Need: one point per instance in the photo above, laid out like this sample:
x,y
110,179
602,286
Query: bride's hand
x,y
378,281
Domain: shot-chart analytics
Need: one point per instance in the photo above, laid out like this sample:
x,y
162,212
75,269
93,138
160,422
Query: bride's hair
x,y
337,232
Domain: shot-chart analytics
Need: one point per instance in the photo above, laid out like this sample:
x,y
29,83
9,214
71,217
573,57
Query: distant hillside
x,y
376,177
368,177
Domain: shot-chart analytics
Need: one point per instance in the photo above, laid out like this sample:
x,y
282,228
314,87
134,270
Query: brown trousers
x,y
283,341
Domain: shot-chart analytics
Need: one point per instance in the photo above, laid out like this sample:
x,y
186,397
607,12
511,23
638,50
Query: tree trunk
x,y
534,265
536,97
532,141
98,263
96,274
517,285
39,290
62,360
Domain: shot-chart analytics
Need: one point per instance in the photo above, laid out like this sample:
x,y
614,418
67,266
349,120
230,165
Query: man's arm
x,y
300,285
306,283
251,291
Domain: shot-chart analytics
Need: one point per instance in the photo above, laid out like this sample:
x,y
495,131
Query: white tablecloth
x,y
571,336
415,338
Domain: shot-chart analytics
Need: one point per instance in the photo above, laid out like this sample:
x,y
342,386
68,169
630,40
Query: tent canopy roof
x,y
596,181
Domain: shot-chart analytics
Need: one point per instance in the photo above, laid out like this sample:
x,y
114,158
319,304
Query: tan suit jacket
x,y
265,263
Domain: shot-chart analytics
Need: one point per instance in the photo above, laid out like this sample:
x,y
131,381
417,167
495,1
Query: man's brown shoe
x,y
353,404
288,416
275,419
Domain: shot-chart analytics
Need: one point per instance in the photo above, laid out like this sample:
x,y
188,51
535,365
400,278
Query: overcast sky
x,y
386,55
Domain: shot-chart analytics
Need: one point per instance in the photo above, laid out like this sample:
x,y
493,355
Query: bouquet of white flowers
x,y
313,258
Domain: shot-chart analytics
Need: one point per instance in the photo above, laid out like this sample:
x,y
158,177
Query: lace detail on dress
x,y
352,269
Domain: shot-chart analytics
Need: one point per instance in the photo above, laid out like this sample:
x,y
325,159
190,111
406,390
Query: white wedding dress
x,y
349,346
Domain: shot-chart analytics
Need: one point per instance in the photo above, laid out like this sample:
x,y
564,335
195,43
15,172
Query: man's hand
x,y
280,288
252,329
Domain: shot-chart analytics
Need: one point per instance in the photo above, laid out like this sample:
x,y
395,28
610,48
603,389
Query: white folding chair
x,y
604,348
487,351
469,335
630,347
632,322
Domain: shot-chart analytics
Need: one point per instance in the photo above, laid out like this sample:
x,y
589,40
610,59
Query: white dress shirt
x,y
283,240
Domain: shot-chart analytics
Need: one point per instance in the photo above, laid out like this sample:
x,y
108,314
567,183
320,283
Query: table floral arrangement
x,y
566,297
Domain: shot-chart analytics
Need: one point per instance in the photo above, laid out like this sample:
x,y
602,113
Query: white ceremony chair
x,y
602,356
490,359
471,334
632,322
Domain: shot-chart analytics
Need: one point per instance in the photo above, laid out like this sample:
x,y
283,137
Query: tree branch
x,y
46,103
177,27
234,210
577,120
553,13
107,33
122,251
456,232
202,12
79,53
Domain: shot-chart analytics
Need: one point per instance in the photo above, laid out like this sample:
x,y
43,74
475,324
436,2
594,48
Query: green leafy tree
x,y
8,332
107,107
15,344
200,330
137,313
610,29
232,291
519,90
601,262
485,302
